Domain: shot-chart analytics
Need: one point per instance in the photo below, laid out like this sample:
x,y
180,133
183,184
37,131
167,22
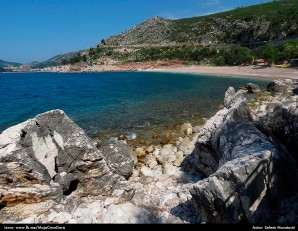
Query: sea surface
x,y
109,104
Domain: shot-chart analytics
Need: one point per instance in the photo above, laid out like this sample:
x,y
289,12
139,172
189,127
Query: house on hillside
x,y
260,63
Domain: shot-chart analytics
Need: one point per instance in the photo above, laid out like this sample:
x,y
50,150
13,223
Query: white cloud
x,y
210,3
203,8
180,14
192,13
218,10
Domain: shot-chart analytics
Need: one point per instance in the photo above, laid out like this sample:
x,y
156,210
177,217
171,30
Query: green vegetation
x,y
241,24
56,60
278,53
2,69
215,55
222,55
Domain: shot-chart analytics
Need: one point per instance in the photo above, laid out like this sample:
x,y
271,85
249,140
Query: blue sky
x,y
36,30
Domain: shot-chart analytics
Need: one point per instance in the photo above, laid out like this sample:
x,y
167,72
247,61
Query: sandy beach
x,y
270,73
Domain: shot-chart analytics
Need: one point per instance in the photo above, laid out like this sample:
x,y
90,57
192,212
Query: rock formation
x,y
235,109
248,169
252,88
49,157
283,124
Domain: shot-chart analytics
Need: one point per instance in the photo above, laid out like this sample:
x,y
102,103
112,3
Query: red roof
x,y
261,61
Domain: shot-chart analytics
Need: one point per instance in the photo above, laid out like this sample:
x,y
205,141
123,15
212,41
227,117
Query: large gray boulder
x,y
236,109
281,86
282,123
119,157
248,168
48,157
253,174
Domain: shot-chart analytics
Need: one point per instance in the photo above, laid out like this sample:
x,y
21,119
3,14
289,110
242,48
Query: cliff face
x,y
152,31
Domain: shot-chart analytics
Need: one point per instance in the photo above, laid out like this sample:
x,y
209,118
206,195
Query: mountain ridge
x,y
56,60
7,63
268,21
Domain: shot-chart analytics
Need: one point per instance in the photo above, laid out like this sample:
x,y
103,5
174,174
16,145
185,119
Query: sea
x,y
106,105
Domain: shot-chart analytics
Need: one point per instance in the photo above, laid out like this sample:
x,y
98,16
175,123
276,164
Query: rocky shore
x,y
240,167
112,66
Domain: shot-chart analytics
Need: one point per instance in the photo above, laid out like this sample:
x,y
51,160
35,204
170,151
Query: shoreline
x,y
263,73
268,73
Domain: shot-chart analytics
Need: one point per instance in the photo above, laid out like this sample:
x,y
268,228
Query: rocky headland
x,y
240,167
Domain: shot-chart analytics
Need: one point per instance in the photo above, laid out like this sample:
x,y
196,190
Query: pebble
x,y
72,221
166,198
62,218
150,149
169,170
145,171
29,220
141,152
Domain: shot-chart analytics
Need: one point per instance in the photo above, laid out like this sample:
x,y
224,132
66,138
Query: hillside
x,y
55,61
228,38
269,21
6,63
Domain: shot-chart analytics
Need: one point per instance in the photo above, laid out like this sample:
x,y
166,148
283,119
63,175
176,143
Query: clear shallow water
x,y
105,103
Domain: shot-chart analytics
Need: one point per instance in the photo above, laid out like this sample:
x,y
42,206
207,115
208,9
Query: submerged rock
x,y
252,88
186,128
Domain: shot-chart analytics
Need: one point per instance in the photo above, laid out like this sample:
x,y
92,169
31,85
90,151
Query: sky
x,y
36,30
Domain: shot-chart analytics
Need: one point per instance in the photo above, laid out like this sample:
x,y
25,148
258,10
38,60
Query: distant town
x,y
27,68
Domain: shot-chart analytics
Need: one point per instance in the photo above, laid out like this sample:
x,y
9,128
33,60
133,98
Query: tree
x,y
103,42
92,51
75,60
65,62
84,58
234,55
290,50
270,53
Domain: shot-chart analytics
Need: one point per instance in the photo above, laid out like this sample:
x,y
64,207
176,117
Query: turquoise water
x,y
105,103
